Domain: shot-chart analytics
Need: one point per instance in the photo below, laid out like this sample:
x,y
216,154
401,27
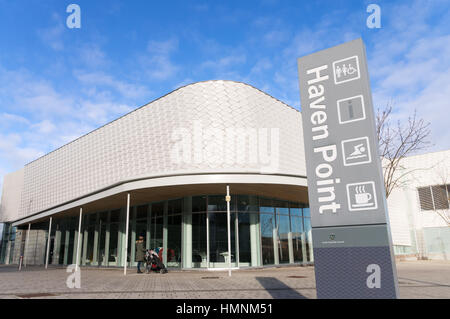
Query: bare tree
x,y
396,141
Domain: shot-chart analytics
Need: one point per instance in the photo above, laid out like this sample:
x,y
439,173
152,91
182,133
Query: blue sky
x,y
57,84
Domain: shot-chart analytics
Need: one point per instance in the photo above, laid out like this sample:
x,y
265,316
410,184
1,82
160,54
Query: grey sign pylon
x,y
353,254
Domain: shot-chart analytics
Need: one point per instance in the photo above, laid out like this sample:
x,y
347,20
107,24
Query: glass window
x,y
267,225
72,228
244,238
175,207
174,240
198,240
113,256
141,212
244,206
217,203
308,238
101,256
265,205
306,212
158,209
295,209
103,216
156,227
218,237
115,216
283,229
198,204
89,231
281,206
297,230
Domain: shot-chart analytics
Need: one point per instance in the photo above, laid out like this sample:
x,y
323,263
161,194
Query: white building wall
x,y
398,205
403,203
11,196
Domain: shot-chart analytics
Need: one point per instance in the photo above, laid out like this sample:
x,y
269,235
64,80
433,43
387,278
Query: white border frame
x,y
352,79
362,208
349,98
369,160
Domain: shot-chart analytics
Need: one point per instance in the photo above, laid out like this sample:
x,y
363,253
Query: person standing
x,y
140,253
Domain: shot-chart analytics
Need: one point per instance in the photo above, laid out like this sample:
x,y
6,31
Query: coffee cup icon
x,y
363,198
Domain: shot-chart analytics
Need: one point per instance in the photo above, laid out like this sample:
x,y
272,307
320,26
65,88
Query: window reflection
x,y
264,231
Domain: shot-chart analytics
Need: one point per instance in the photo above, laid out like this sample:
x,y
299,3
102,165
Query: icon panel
x,y
362,196
346,70
356,151
351,109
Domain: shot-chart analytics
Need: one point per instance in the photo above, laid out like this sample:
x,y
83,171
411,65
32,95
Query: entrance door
x,y
218,240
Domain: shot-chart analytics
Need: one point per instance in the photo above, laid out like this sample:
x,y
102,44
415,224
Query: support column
x,y
165,244
255,240
236,238
125,251
133,236
305,259
228,199
48,242
26,245
275,246
186,244
107,235
57,245
96,240
149,223
8,252
207,235
85,240
291,248
66,244
121,236
78,240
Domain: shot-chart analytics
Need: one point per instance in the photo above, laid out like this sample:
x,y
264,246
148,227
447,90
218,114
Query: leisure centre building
x,y
165,168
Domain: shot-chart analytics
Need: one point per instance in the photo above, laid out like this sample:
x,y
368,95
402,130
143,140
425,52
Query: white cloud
x,y
157,62
411,67
51,36
50,118
92,55
261,65
127,90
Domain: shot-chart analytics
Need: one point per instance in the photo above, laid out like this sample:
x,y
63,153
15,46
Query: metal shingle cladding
x,y
139,143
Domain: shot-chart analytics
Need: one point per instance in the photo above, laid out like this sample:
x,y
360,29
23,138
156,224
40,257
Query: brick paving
x,y
417,279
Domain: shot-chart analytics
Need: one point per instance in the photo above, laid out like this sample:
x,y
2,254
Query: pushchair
x,y
154,263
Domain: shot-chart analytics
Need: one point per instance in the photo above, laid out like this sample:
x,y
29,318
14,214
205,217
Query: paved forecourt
x,y
417,279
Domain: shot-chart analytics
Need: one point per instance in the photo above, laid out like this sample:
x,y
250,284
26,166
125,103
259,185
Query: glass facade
x,y
188,232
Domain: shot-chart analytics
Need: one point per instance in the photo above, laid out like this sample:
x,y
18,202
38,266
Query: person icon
x,y
338,71
344,69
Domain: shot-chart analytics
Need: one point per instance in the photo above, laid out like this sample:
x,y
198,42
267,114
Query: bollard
x,y
20,263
